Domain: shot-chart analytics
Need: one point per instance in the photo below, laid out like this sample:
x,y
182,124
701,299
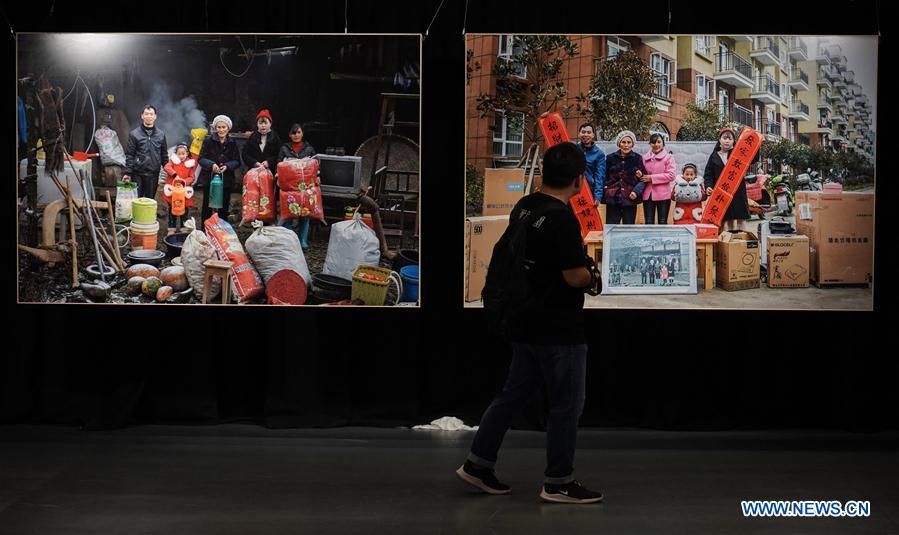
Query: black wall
x,y
734,369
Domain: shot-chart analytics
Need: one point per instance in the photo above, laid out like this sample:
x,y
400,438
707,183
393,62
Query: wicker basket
x,y
374,292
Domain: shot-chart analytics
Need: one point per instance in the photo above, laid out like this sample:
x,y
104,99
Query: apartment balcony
x,y
821,78
743,38
839,118
834,51
732,69
824,126
741,115
822,56
825,103
799,110
831,73
799,80
765,51
798,50
766,90
773,131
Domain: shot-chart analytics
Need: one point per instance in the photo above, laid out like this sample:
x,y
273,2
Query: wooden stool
x,y
217,268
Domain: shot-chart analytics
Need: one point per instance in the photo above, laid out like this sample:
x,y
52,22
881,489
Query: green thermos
x,y
215,191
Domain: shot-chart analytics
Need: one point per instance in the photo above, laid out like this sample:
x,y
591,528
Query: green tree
x,y
621,96
474,191
540,58
701,124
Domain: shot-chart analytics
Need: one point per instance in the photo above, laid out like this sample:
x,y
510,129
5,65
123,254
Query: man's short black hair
x,y
563,164
150,107
587,124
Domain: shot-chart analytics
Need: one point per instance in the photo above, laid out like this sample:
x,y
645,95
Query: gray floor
x,y
243,479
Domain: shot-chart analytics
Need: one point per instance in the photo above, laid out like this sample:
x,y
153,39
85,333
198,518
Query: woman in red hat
x,y
261,150
738,211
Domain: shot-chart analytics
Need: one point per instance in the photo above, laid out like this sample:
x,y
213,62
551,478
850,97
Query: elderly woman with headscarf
x,y
623,188
219,155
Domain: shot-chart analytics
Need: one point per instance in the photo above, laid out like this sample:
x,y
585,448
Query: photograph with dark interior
x,y
278,169
600,375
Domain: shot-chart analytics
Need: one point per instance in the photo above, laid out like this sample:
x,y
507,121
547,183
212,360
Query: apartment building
x,y
774,84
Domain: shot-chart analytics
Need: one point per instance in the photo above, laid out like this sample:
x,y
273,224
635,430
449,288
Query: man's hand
x,y
265,164
632,196
259,164
639,173
708,191
216,169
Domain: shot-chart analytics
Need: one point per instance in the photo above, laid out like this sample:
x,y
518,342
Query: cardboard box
x,y
705,231
737,261
840,229
788,255
481,234
502,189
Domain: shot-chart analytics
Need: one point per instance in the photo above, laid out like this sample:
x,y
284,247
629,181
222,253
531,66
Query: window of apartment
x,y
508,135
662,130
615,45
758,119
510,46
664,70
705,90
723,105
705,44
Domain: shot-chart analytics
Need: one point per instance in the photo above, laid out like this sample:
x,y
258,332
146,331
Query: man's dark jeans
x,y
563,370
146,185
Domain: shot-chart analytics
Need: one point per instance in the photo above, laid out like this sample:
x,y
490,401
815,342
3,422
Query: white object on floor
x,y
447,423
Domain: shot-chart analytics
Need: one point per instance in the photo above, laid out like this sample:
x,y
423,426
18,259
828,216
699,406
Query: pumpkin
x,y
134,285
164,293
142,270
175,277
151,286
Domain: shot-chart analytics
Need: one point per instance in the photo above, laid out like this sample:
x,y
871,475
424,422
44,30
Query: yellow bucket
x,y
144,210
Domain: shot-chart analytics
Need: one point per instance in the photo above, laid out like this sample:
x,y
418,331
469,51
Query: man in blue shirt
x,y
596,160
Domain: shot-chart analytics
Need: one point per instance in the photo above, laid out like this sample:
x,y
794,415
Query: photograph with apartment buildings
x,y
683,101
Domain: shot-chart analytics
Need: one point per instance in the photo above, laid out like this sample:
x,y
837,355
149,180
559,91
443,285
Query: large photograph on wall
x,y
218,169
763,144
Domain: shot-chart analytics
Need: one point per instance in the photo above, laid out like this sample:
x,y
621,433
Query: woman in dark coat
x,y
218,155
738,211
623,187
264,144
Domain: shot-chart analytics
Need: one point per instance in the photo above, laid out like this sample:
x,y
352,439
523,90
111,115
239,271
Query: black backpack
x,y
507,292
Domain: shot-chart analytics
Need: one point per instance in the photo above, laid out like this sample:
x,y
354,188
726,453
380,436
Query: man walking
x,y
546,330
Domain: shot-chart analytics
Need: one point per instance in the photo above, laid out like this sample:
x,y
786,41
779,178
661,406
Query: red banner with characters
x,y
737,164
553,128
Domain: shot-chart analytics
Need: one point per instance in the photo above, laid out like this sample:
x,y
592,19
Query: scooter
x,y
809,182
781,194
759,200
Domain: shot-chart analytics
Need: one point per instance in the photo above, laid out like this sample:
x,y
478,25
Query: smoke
x,y
175,117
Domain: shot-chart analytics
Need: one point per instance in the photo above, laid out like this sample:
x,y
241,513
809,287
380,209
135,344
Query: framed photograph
x,y
649,259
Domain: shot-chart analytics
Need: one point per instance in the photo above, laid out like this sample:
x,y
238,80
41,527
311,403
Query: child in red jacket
x,y
182,166
688,194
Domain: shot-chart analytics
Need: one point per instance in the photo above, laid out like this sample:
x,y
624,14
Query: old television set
x,y
340,174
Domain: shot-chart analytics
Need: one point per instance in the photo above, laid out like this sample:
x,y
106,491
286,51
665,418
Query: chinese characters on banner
x,y
737,165
553,128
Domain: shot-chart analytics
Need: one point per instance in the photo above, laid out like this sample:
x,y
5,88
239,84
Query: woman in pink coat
x,y
661,170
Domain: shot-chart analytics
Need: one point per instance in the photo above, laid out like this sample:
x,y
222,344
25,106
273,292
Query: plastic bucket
x,y
405,257
409,274
144,211
144,236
